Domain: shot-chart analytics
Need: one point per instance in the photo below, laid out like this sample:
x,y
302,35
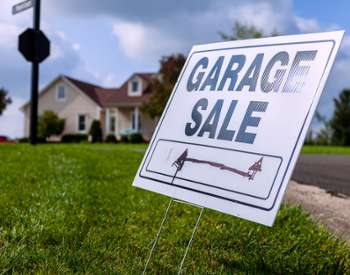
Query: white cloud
x,y
12,120
61,34
132,37
62,41
76,46
56,52
261,15
9,35
139,40
105,80
178,31
109,80
306,25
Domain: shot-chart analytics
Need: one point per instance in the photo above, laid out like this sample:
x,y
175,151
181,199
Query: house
x,y
79,103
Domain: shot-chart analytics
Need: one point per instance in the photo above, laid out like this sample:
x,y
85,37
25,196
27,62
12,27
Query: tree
x,y
340,122
4,100
309,139
49,124
162,86
95,131
324,136
240,32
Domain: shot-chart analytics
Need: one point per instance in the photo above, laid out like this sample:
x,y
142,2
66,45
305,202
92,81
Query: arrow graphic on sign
x,y
250,174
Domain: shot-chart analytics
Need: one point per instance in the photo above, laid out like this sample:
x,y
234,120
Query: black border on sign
x,y
295,145
209,185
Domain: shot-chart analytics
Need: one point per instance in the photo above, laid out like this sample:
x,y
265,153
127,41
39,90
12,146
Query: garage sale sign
x,y
235,123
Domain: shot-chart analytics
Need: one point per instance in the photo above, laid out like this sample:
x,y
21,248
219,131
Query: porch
x,y
119,120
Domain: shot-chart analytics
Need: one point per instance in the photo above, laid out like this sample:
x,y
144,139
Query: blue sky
x,y
106,41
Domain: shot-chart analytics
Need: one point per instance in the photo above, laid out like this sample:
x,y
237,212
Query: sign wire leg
x,y
158,235
191,240
160,228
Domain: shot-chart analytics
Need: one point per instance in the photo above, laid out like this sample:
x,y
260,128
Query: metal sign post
x,y
35,47
35,80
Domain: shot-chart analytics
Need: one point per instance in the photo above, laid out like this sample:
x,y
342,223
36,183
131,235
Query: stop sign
x,y
34,45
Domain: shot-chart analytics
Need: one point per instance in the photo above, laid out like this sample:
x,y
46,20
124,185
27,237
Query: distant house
x,y
79,103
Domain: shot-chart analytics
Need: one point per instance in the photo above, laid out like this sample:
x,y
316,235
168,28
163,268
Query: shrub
x,y
49,124
23,140
124,138
135,138
131,135
95,131
26,140
41,139
73,138
111,139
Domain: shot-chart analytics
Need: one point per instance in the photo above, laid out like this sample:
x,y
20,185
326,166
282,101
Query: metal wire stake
x,y
190,241
160,227
158,235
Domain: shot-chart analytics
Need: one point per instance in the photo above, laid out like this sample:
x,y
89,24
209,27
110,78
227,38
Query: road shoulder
x,y
333,211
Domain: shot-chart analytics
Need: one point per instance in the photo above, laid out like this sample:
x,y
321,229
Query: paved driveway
x,y
329,172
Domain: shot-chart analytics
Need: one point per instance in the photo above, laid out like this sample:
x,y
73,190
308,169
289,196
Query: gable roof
x,y
146,76
87,88
110,97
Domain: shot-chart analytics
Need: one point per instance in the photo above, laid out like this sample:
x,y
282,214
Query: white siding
x,y
148,126
74,104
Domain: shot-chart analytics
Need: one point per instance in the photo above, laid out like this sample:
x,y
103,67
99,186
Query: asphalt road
x,y
329,172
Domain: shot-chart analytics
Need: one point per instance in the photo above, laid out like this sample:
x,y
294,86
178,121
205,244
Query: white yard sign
x,y
235,123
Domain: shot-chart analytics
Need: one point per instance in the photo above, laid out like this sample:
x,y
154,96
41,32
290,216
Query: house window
x,y
61,93
135,86
112,124
136,120
82,123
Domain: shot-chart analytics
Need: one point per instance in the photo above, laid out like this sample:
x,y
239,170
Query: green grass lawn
x,y
314,149
71,208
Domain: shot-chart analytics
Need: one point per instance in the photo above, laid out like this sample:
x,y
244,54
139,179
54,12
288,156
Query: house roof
x,y
109,97
87,88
